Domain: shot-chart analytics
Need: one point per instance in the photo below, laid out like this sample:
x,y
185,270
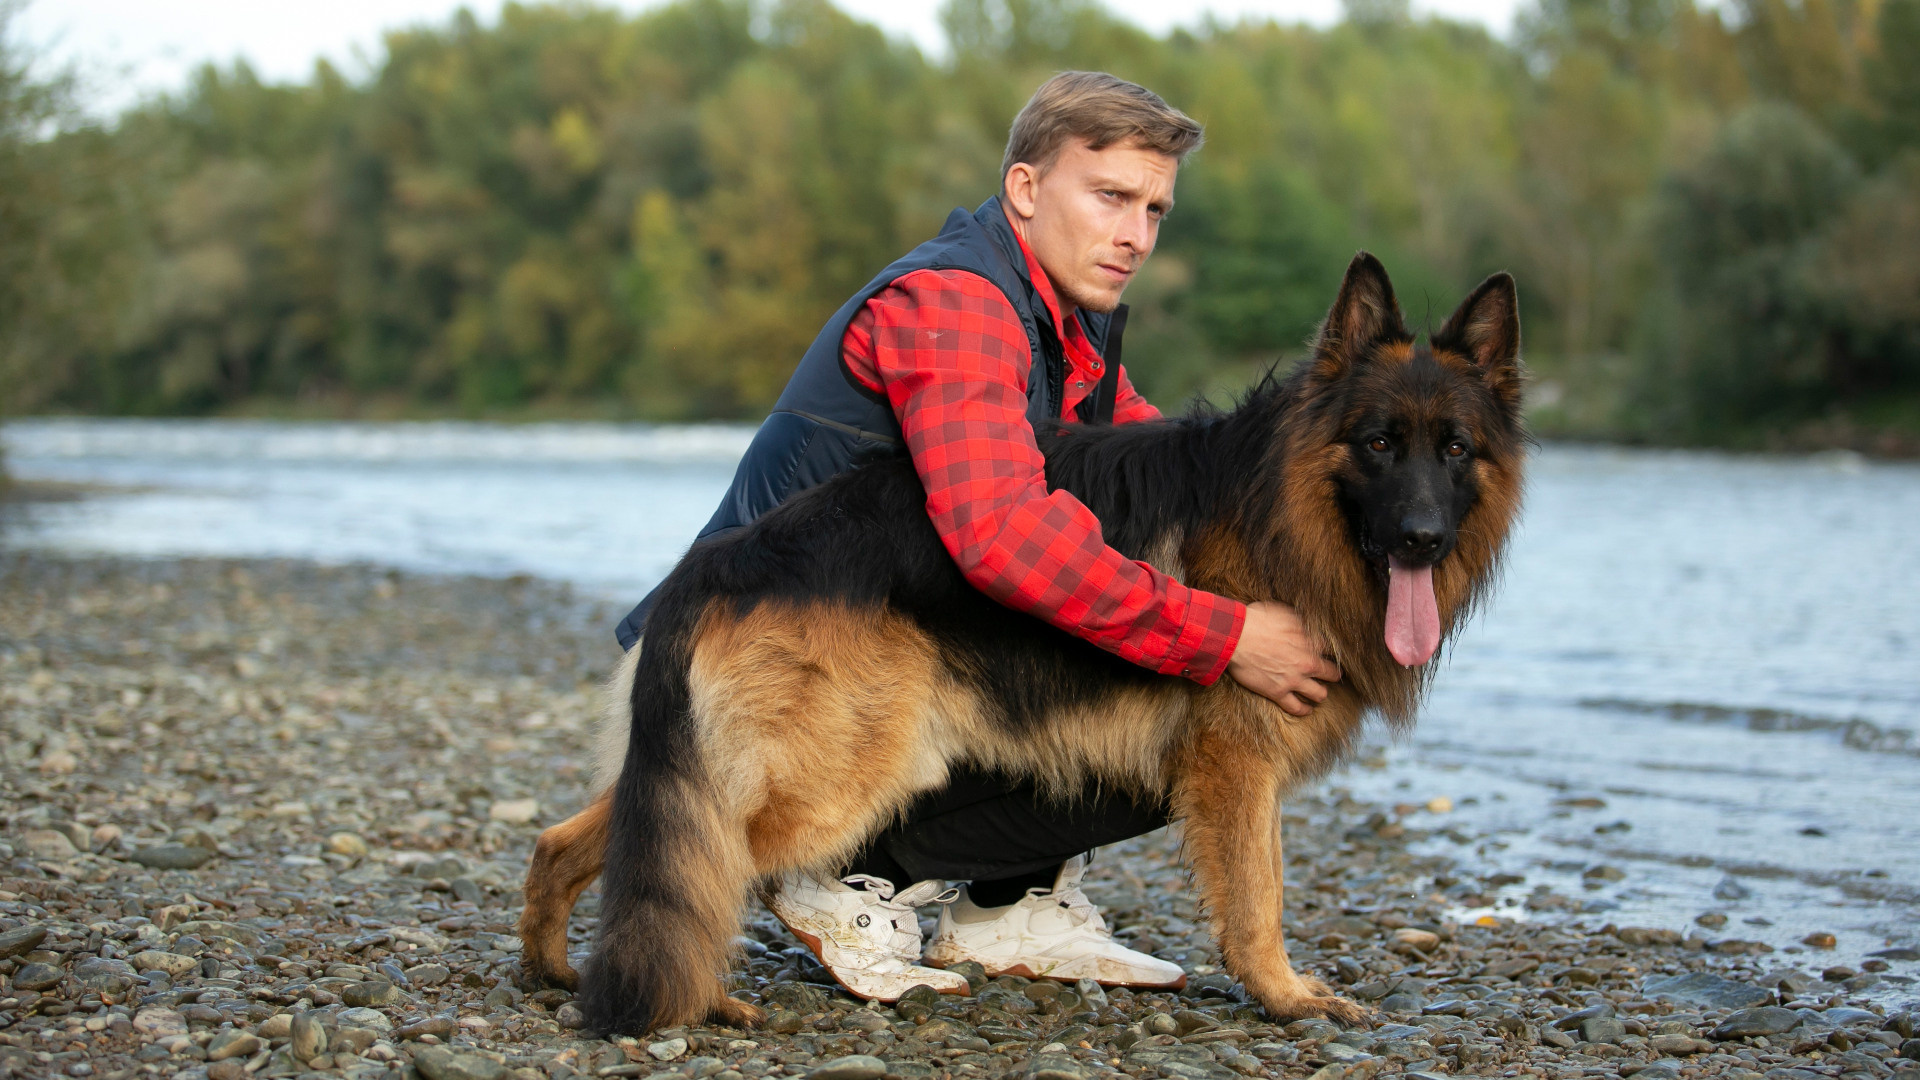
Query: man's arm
x,y
950,354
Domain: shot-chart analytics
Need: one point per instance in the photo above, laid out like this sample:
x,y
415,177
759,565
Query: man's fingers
x,y
1291,704
1313,691
1325,670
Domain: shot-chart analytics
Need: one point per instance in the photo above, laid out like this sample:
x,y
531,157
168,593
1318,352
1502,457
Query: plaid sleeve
x,y
1128,405
953,359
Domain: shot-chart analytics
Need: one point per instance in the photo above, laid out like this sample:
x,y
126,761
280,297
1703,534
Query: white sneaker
x,y
1048,934
868,937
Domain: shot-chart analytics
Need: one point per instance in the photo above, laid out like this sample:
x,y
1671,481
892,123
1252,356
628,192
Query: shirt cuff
x,y
1208,638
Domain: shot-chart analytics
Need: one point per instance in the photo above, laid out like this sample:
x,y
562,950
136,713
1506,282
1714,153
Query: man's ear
x,y
1017,189
1364,313
1485,329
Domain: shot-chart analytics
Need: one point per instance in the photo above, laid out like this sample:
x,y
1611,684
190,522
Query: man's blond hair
x,y
1103,111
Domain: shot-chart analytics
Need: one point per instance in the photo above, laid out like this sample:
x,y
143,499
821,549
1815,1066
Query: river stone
x,y
1679,1044
1511,969
440,1027
1342,1054
1707,991
277,1026
159,1022
366,1018
1647,935
374,993
667,1049
23,940
37,977
172,856
440,1063
851,1067
1771,1020
233,1044
48,844
1054,1066
175,965
1603,1029
309,1038
245,935
428,974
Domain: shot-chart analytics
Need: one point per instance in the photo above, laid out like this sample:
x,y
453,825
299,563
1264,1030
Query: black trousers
x,y
1001,834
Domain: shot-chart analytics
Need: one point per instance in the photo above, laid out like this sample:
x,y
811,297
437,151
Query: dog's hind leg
x,y
1230,798
566,859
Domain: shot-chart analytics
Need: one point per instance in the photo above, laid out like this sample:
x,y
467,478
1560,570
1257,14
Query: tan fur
x,y
817,723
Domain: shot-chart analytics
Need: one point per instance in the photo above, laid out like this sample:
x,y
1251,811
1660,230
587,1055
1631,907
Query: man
x,y
1009,320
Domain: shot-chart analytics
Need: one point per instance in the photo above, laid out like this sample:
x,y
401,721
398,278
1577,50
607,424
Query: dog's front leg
x,y
1230,798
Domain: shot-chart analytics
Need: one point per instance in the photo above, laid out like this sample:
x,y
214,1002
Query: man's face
x,y
1091,218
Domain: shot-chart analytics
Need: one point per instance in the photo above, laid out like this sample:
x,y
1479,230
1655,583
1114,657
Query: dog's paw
x,y
732,1012
1313,999
536,977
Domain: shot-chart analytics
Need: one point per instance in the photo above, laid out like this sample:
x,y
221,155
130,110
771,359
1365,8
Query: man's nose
x,y
1135,232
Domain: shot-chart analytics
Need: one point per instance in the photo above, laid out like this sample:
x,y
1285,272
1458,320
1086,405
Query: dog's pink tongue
x,y
1413,618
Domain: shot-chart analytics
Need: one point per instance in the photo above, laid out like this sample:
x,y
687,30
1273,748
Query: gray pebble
x,y
309,1038
851,1067
440,1063
172,857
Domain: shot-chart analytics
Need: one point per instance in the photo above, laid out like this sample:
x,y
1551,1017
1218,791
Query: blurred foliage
x,y
1713,211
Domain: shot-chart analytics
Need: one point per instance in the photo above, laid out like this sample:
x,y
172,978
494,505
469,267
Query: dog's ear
x,y
1485,329
1365,313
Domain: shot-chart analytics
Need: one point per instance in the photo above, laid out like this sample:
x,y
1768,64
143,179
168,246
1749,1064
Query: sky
x,y
127,49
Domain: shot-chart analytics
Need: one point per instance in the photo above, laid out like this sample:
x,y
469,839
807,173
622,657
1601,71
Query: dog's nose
x,y
1420,538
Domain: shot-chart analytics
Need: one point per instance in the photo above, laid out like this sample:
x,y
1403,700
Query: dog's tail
x,y
675,876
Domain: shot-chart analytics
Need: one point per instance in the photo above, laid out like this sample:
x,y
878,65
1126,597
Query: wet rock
x,y
37,977
570,1018
1420,940
1820,939
851,1067
21,941
1055,1066
975,975
1705,990
1511,968
352,845
1647,935
1731,889
440,1063
1771,1020
172,857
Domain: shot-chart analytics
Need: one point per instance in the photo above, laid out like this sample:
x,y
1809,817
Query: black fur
x,y
864,538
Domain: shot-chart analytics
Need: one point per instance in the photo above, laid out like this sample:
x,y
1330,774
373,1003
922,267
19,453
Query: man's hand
x,y
1279,659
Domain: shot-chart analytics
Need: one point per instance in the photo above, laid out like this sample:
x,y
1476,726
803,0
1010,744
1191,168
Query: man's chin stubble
x,y
1099,303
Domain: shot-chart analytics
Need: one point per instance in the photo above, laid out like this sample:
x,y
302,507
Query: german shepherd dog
x,y
804,678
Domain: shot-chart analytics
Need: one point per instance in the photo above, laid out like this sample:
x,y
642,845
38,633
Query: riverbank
x,y
248,802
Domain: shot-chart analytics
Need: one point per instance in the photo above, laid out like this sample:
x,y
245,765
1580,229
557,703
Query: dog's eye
x,y
1456,448
1377,444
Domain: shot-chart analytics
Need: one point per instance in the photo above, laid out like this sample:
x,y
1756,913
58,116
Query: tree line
x,y
1713,211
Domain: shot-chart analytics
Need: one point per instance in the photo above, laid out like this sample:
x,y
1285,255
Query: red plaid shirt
x,y
948,350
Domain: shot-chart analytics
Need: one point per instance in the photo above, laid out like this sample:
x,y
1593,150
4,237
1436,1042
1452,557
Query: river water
x,y
1701,670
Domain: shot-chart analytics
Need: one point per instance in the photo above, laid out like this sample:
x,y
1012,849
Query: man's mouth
x,y
1116,273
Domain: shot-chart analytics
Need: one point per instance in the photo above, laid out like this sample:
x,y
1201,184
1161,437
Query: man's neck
x,y
1019,226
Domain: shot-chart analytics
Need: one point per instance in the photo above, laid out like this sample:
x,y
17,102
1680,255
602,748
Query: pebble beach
x,y
269,819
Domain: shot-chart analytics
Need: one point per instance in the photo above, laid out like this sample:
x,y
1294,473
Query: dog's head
x,y
1420,426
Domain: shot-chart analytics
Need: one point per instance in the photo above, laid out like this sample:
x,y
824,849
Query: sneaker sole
x,y
1026,972
812,942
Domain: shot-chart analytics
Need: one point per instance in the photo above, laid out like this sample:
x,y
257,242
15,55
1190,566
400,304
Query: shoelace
x,y
1069,896
906,924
